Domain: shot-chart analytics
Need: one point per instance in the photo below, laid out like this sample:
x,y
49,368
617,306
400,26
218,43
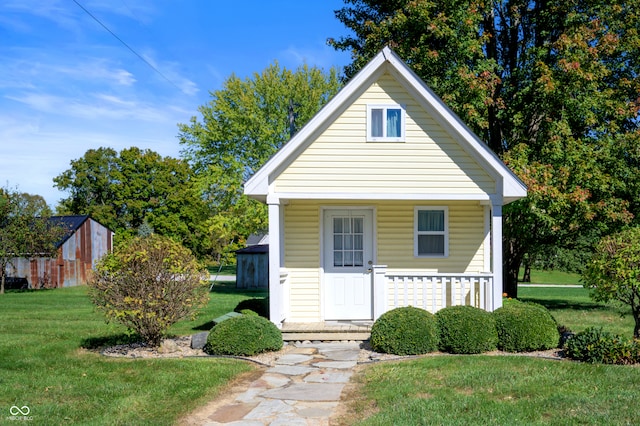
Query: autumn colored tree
x,y
243,124
552,87
613,274
25,229
135,188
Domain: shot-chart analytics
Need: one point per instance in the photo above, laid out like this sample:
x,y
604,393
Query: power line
x,y
126,45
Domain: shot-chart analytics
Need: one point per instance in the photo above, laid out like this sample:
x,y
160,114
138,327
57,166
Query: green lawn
x,y
43,364
493,390
573,308
505,390
552,277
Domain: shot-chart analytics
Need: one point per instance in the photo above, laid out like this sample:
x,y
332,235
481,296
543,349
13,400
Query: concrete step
x,y
330,331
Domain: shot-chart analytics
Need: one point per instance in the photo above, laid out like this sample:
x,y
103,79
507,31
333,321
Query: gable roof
x,y
510,186
70,224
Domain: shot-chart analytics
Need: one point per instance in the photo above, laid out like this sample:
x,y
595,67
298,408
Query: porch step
x,y
328,330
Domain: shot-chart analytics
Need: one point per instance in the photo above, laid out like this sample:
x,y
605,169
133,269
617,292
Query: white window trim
x,y
445,232
385,107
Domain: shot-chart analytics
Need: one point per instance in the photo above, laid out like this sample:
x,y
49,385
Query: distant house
x,y
384,199
85,241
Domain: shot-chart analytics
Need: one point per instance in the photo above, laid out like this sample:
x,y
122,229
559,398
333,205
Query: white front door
x,y
347,258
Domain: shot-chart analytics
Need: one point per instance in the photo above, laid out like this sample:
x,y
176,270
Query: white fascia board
x,y
512,187
483,198
258,184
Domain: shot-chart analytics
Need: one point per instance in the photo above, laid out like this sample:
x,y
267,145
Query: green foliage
x,y
597,346
547,84
148,284
524,327
257,305
614,272
25,229
242,126
466,330
245,335
136,191
405,331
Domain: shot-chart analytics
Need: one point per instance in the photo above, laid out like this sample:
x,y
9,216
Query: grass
x,y
539,276
500,390
495,390
573,308
45,367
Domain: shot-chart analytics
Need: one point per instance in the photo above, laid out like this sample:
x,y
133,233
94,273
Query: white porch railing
x,y
431,291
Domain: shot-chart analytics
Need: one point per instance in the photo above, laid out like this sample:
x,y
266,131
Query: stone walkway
x,y
302,388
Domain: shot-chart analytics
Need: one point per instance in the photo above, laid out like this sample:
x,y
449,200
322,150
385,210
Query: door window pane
x,y
348,241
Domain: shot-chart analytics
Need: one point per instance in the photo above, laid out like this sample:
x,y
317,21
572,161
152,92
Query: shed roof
x,y
258,248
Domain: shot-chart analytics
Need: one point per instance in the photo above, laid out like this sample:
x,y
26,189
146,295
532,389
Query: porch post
x,y
276,293
379,290
496,247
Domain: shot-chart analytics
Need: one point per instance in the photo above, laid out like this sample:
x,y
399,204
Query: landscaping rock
x,y
198,340
168,346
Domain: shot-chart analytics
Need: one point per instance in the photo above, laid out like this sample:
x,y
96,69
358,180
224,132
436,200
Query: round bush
x,y
245,335
524,327
466,330
259,306
597,346
405,331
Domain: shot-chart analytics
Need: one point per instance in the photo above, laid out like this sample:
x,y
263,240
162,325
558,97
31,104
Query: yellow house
x,y
384,199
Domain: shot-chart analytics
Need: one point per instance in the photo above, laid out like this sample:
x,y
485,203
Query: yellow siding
x,y
393,241
341,160
302,260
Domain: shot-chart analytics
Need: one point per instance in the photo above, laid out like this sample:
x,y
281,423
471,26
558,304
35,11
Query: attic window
x,y
385,123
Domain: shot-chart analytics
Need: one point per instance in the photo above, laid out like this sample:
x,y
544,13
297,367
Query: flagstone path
x,y
302,388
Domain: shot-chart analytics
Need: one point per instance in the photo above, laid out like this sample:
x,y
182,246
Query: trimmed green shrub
x,y
597,346
524,327
405,331
258,305
466,330
245,335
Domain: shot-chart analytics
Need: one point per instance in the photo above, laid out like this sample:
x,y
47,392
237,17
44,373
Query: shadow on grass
x,y
111,340
204,326
557,304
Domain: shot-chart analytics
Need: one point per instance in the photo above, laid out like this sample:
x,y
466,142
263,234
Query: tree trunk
x,y
636,328
526,278
2,283
512,259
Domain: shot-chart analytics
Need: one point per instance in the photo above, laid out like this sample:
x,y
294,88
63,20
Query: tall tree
x,y
552,86
135,188
25,229
243,124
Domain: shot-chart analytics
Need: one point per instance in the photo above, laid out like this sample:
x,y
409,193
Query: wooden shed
x,y
85,241
253,266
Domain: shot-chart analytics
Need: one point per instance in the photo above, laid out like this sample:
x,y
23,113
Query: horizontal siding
x,y
302,260
393,223
466,238
341,160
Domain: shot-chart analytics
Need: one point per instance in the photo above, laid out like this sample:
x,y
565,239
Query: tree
x,y
148,284
550,85
136,188
25,230
613,274
245,123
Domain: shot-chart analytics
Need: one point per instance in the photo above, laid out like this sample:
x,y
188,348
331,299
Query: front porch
x,y
326,330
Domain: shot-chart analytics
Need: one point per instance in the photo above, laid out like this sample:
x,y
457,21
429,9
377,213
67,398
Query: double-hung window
x,y
385,123
431,230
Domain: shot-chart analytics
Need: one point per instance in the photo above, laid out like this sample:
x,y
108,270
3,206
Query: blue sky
x,y
67,85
